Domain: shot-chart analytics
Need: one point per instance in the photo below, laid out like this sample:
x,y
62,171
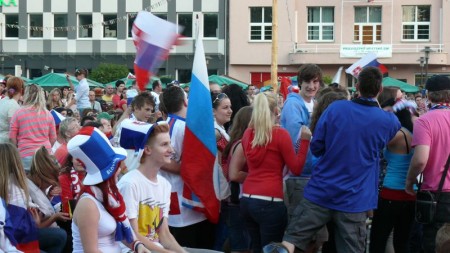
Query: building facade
x,y
42,36
335,33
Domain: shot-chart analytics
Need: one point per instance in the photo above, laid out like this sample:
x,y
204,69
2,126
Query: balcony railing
x,y
335,48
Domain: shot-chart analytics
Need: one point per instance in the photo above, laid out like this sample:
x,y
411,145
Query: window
x,y
210,25
131,18
85,26
59,71
260,23
416,22
185,20
161,15
367,28
109,26
184,75
36,26
35,73
12,19
60,23
321,23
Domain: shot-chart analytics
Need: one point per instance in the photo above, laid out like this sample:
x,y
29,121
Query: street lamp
x,y
422,64
427,50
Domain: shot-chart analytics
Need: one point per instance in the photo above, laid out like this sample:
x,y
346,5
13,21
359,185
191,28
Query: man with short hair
x,y
344,185
214,88
95,105
251,92
109,92
105,118
147,194
142,109
190,227
296,113
156,90
120,86
431,143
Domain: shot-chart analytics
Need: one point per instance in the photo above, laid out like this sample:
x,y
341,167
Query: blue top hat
x,y
99,157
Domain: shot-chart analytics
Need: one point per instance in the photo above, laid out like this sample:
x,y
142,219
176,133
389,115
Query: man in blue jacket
x,y
296,113
344,182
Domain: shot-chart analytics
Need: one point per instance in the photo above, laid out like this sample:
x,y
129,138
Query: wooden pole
x,y
274,65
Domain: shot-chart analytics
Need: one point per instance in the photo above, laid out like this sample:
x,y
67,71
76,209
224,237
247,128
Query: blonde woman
x,y
14,190
267,148
44,173
32,126
54,99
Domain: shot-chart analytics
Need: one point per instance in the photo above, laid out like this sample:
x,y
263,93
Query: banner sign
x,y
358,51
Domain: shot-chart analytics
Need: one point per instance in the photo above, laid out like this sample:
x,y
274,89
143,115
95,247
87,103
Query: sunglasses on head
x,y
219,97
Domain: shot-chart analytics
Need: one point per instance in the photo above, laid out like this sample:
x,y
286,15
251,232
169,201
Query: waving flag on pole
x,y
337,76
153,38
369,59
199,145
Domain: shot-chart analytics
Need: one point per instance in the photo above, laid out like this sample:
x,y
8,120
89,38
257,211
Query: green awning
x,y
59,80
128,82
221,80
406,87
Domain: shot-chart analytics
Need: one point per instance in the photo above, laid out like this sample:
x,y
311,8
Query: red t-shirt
x,y
265,163
70,188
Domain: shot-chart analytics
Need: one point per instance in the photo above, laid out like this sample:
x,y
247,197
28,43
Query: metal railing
x,y
335,48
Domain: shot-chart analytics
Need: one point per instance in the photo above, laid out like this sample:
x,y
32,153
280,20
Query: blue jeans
x,y
52,240
265,221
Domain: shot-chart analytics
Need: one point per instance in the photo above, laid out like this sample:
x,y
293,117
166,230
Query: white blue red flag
x,y
369,60
199,145
153,38
57,117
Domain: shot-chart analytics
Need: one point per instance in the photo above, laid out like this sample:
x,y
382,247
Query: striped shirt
x,y
32,130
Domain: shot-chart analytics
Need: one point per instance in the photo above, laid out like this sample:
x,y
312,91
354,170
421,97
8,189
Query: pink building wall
x,y
294,49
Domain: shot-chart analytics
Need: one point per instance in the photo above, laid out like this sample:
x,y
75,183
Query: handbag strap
x,y
444,174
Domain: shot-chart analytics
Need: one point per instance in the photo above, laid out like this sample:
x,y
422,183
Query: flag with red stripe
x,y
153,38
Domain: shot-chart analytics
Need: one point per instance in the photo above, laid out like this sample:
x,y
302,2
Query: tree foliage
x,y
108,72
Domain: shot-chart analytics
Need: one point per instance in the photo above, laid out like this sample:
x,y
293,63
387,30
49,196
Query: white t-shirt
x,y
180,216
309,106
106,230
82,94
156,96
146,201
7,109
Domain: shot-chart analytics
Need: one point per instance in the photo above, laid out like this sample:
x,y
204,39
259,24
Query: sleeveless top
x,y
397,167
396,173
106,231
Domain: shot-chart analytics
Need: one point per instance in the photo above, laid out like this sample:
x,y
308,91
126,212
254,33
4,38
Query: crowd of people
x,y
314,170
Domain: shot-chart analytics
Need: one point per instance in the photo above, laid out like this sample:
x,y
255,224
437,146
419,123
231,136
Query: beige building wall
x,y
294,49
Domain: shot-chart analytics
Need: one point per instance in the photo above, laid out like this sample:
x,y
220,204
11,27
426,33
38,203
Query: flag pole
x,y
274,64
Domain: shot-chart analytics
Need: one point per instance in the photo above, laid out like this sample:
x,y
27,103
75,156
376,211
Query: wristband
x,y
136,245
